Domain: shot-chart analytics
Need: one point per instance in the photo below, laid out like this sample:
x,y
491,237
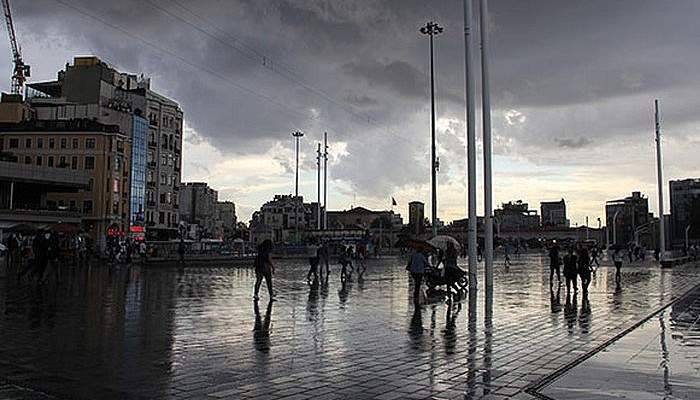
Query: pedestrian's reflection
x,y
570,312
345,286
555,299
261,330
450,326
584,318
415,331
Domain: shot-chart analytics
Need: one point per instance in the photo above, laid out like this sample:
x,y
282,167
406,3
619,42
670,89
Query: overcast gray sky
x,y
573,84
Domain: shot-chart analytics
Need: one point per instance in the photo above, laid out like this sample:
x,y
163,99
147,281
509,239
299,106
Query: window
x,y
163,179
74,162
90,143
170,160
89,162
72,205
115,185
27,160
162,198
64,143
39,143
28,143
150,156
49,161
164,159
91,183
52,143
75,143
161,217
168,198
38,160
117,164
62,162
14,143
150,176
87,207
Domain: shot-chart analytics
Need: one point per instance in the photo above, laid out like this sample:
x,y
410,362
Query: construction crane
x,y
22,71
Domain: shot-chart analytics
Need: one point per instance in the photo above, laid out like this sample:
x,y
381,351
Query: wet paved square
x,y
133,333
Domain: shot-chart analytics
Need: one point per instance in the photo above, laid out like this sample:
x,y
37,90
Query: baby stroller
x,y
454,280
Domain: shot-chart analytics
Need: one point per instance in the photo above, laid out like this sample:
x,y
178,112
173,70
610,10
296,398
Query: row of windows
x,y
61,161
163,217
63,143
72,205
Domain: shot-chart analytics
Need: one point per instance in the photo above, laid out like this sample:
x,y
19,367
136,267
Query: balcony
x,y
153,144
152,164
153,122
151,184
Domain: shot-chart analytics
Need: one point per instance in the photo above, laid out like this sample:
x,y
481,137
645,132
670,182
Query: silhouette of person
x,y
617,259
584,268
555,299
314,259
570,270
264,268
416,266
554,263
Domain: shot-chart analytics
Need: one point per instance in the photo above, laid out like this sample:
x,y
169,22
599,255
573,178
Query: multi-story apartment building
x,y
282,218
554,214
627,218
198,206
685,204
92,89
84,146
515,216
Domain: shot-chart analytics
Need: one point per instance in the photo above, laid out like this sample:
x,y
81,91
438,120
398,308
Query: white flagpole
x,y
471,142
486,117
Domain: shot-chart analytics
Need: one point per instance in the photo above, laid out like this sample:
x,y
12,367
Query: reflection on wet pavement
x,y
658,360
135,333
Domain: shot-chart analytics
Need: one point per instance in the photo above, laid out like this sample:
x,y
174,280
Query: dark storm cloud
x,y
578,74
569,143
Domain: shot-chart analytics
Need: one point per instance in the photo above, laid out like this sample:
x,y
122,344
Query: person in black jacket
x,y
570,270
554,263
584,268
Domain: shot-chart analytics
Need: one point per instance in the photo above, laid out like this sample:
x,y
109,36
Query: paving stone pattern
x,y
133,333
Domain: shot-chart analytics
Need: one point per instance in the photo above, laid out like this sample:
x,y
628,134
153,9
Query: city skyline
x,y
562,128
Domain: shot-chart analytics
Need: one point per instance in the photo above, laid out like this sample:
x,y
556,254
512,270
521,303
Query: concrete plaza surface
x,y
134,333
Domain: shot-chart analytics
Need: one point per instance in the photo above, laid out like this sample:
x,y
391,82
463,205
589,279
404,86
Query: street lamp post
x,y
660,179
297,135
431,29
486,121
469,82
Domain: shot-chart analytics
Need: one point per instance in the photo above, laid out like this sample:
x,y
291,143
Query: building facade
x,y
685,210
91,89
83,146
553,214
628,219
226,220
284,219
198,207
515,216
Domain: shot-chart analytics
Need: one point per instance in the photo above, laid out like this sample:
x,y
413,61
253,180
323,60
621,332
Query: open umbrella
x,y
441,242
420,245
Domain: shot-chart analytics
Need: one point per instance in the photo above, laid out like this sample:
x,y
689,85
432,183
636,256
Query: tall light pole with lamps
x,y
431,29
297,135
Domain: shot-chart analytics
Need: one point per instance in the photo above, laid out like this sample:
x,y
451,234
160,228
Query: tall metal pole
x,y
614,227
471,142
297,135
431,29
325,180
486,117
660,179
318,187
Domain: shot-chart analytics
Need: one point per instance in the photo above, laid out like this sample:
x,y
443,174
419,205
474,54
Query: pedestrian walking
x,y
313,263
506,259
345,261
594,257
264,268
570,270
479,253
324,257
416,266
584,268
617,260
181,252
554,263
